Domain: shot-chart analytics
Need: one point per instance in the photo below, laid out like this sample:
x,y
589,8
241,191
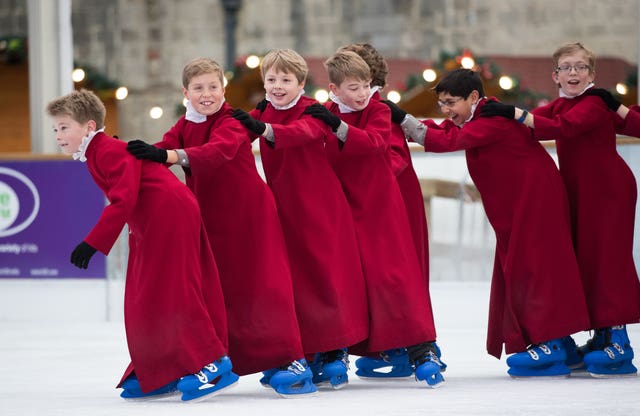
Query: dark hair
x,y
460,83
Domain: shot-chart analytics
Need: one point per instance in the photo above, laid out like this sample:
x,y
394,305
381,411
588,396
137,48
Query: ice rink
x,y
69,367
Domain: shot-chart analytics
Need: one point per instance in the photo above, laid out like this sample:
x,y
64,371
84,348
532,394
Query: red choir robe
x,y
602,196
328,283
400,313
402,167
174,311
243,227
536,291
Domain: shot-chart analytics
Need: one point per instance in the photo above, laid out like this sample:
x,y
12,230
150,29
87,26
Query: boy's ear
x,y
475,96
333,87
92,125
184,92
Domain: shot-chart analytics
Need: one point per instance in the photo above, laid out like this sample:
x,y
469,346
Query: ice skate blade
x,y
151,398
203,393
439,383
326,384
376,379
628,375
540,377
297,395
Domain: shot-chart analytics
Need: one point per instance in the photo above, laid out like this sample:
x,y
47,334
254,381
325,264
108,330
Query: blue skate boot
x,y
266,377
212,380
131,390
330,369
614,360
294,380
390,365
574,358
427,364
546,359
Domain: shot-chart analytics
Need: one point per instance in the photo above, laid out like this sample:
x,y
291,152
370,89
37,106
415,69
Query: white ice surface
x,y
66,367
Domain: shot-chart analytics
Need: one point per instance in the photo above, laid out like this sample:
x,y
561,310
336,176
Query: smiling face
x,y
573,73
205,93
457,109
281,87
69,132
353,92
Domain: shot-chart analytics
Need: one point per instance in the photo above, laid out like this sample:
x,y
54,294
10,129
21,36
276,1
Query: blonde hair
x,y
287,61
571,48
201,66
346,64
82,106
374,59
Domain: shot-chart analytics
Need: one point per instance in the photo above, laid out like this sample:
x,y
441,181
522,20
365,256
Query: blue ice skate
x,y
546,359
266,377
131,390
330,369
294,380
427,364
208,382
574,357
390,365
615,359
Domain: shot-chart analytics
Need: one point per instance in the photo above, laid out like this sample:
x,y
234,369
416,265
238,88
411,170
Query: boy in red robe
x,y
400,313
243,227
536,291
378,365
602,196
174,311
327,275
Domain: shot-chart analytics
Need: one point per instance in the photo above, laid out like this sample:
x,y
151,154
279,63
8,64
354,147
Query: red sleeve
x,y
447,137
121,173
226,137
300,132
630,126
576,122
371,138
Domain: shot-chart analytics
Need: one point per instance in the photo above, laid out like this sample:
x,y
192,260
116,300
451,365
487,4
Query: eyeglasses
x,y
449,103
580,68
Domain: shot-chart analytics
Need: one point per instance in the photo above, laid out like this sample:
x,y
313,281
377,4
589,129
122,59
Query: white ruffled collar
x,y
473,110
562,94
82,149
288,106
195,117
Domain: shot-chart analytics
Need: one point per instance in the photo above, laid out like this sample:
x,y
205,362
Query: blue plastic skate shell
x,y
209,382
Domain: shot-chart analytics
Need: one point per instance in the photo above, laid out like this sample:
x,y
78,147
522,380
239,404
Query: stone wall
x,y
145,43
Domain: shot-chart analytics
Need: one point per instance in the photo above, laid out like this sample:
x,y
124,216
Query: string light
x,y
122,93
429,75
394,96
78,75
321,95
252,61
155,112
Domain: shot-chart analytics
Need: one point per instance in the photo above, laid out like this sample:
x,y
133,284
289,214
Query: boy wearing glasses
x,y
536,292
602,197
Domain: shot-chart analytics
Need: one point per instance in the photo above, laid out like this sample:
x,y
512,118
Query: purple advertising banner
x,y
46,208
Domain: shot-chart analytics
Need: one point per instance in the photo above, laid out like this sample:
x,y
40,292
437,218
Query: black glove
x,y
494,108
82,254
142,150
606,96
397,113
250,123
319,111
262,105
